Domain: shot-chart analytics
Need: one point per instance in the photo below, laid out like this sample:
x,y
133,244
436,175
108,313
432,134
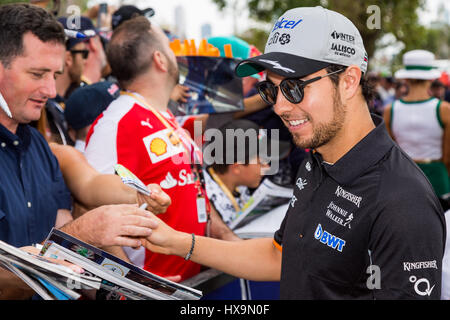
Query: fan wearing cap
x,y
231,172
85,105
179,93
126,12
362,214
77,53
420,123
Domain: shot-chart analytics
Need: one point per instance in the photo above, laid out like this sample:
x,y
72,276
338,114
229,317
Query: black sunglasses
x,y
292,89
84,53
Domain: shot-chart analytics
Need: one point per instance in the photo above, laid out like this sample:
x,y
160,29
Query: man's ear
x,y
350,82
160,61
92,45
68,59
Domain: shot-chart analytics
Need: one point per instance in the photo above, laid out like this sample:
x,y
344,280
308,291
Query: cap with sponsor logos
x,y
305,40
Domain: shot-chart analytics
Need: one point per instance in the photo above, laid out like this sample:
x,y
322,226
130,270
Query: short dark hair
x,y
130,48
367,88
18,19
436,84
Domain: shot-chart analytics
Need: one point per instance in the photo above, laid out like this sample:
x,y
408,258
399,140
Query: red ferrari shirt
x,y
130,134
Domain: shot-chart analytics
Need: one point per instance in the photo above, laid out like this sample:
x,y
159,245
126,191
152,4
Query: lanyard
x,y
224,189
174,136
175,139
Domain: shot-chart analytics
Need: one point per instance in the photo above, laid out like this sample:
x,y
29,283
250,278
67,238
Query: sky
x,y
199,12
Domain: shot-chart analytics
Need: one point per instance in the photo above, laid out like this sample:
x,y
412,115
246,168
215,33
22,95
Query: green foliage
x,y
2,2
398,17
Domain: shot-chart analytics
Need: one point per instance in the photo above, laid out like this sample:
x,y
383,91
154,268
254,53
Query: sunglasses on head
x,y
84,53
292,89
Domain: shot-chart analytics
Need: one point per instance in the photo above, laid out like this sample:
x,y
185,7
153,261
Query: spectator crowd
x,y
80,105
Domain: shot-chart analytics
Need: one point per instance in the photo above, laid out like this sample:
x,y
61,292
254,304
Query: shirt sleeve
x,y
406,244
61,192
278,236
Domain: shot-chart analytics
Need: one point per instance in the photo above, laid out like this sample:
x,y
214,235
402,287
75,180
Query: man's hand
x,y
112,225
164,239
158,201
180,93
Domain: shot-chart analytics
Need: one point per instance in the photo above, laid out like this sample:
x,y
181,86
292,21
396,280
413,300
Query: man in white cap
x,y
420,123
363,223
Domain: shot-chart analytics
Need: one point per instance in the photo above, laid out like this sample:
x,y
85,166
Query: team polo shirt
x,y
130,134
367,227
32,187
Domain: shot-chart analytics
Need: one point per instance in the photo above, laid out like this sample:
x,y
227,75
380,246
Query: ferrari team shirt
x,y
367,227
130,134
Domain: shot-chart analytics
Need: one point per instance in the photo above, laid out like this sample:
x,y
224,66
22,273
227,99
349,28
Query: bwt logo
x,y
329,239
286,24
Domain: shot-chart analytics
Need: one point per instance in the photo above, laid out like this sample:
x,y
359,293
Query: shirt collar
x,y
20,140
365,154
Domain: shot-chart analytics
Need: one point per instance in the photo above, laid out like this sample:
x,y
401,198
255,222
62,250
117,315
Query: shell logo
x,y
158,146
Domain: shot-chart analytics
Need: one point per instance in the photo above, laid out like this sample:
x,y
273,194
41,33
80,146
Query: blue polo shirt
x,y
32,187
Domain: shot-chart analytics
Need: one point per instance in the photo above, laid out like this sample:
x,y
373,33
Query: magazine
x,y
266,197
118,276
130,179
46,278
265,226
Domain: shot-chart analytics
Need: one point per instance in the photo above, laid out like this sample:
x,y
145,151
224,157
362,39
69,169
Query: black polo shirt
x,y
367,227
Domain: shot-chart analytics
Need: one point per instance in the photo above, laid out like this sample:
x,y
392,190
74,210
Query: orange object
x,y
192,48
213,51
228,51
188,48
175,45
203,48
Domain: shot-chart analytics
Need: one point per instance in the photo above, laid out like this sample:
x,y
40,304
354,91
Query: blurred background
x,y
389,28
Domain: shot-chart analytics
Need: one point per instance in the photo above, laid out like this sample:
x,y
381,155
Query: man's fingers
x,y
127,242
135,231
161,199
138,221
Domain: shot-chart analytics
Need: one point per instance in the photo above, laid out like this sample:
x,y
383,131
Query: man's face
x,y
173,71
318,118
29,80
77,67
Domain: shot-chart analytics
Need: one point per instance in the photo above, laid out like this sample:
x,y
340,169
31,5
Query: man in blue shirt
x,y
33,195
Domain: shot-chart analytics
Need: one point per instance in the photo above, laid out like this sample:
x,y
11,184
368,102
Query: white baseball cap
x,y
305,40
419,64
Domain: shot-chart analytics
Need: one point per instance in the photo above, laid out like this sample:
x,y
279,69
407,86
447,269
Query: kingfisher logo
x,y
329,239
286,24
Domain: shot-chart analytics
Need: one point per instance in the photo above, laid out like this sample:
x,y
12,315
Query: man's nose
x,y
48,88
282,105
